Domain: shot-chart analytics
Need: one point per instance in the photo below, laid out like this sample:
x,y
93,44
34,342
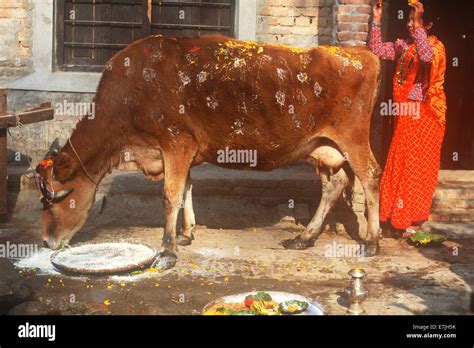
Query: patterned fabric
x,y
394,50
391,50
423,47
411,173
416,93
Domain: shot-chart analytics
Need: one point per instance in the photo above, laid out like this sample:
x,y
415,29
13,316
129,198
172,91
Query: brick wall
x,y
352,17
300,23
307,23
15,39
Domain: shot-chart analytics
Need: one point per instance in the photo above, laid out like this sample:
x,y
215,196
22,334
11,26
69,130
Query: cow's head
x,y
67,195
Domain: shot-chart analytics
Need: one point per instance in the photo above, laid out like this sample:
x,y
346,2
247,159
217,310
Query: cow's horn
x,y
44,190
59,196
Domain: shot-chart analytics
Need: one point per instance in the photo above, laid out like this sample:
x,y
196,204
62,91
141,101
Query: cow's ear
x,y
64,167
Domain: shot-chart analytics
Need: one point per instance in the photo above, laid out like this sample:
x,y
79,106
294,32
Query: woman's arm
x,y
387,50
423,46
420,36
384,50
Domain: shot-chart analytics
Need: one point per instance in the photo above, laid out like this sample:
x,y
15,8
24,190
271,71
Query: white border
x,y
45,79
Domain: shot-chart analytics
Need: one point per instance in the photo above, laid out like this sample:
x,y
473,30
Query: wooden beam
x,y
26,117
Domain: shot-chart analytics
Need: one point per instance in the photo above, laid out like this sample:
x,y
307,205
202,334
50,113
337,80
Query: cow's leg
x,y
186,235
177,162
332,188
366,168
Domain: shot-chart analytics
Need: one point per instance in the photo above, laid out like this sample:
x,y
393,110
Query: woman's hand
x,y
418,17
377,11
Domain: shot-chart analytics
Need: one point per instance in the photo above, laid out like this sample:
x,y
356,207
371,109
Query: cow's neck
x,y
89,146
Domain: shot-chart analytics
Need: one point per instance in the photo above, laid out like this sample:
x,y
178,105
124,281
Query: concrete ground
x,y
236,250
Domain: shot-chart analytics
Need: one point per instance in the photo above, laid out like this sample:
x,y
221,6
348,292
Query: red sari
x,y
411,173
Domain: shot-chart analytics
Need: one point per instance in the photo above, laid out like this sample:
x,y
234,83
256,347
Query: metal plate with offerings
x,y
263,303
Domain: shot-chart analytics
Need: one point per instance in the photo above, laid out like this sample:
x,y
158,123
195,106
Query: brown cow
x,y
174,103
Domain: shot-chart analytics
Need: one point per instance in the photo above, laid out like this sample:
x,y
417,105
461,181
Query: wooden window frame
x,y
146,24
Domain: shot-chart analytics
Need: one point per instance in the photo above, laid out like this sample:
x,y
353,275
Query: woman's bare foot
x,y
415,228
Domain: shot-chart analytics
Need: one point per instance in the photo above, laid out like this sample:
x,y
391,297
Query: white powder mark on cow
x,y
202,76
302,77
149,75
239,62
317,89
173,130
267,58
347,102
184,78
212,102
242,107
301,97
346,62
274,145
280,98
312,122
357,64
108,66
296,121
156,56
305,59
281,74
238,127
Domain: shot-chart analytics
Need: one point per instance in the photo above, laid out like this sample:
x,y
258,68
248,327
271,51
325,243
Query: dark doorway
x,y
455,28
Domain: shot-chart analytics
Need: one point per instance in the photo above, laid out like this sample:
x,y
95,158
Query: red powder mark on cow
x,y
194,49
46,163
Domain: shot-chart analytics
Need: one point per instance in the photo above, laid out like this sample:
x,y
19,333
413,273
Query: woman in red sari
x,y
411,173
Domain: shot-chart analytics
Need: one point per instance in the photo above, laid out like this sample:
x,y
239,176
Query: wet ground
x,y
244,255
401,280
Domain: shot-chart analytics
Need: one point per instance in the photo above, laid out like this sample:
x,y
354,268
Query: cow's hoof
x,y
297,244
164,261
184,240
371,249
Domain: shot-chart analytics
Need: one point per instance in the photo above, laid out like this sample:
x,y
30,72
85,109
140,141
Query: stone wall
x,y
15,39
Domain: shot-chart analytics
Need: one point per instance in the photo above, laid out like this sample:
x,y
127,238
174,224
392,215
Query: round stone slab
x,y
314,308
103,258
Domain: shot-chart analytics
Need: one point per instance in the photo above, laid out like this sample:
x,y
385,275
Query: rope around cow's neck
x,y
82,165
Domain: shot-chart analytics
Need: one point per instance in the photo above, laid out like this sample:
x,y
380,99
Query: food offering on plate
x,y
293,307
260,303
421,239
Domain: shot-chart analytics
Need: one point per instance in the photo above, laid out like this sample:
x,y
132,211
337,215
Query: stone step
x,y
452,202
451,215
